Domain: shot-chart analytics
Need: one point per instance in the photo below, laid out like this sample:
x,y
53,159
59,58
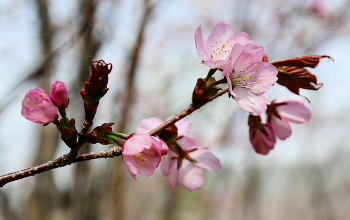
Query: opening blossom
x,y
193,159
285,110
183,164
214,52
142,154
59,94
248,77
38,107
261,136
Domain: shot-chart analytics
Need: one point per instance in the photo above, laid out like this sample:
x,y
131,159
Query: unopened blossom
x,y
193,159
38,107
142,154
59,94
282,111
261,136
248,77
214,51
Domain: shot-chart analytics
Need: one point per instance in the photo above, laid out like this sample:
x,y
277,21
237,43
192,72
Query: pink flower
x,y
59,94
142,154
248,77
37,107
185,160
214,52
187,169
285,110
261,135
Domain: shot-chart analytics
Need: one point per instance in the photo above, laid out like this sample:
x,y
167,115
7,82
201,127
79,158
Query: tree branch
x,y
62,161
115,151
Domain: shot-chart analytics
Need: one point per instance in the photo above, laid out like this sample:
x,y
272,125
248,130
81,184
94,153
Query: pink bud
x,y
59,94
38,107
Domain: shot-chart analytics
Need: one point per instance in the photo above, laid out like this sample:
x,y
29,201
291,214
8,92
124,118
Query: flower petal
x,y
281,127
187,143
184,127
294,109
136,143
190,176
148,124
205,159
201,45
249,102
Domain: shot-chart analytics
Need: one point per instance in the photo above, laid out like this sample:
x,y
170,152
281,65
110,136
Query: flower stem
x,y
210,74
121,135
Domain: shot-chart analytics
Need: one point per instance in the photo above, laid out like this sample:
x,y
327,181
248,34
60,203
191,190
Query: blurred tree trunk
x,y
83,197
115,191
43,196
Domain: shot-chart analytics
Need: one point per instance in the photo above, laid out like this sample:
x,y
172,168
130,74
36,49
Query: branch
x,y
115,151
62,161
184,113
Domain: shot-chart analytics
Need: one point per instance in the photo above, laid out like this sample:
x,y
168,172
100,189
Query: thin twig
x,y
184,113
62,161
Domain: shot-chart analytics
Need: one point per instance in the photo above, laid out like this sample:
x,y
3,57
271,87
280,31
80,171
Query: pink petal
x,y
136,143
235,53
294,109
186,142
250,53
165,164
190,176
262,143
173,174
216,64
201,45
130,165
249,102
240,38
264,76
146,125
184,127
205,159
221,32
281,127
160,145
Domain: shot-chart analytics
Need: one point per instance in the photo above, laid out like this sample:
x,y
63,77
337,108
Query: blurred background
x,y
155,66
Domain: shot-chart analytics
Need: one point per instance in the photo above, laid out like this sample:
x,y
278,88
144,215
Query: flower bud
x,y
69,133
98,134
59,94
38,107
96,87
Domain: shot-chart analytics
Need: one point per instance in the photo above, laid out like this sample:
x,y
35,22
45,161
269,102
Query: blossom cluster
x,y
248,75
279,114
39,107
183,163
241,62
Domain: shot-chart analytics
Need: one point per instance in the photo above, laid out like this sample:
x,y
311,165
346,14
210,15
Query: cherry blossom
x,y
214,52
285,110
187,168
248,77
185,160
261,136
142,154
38,107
